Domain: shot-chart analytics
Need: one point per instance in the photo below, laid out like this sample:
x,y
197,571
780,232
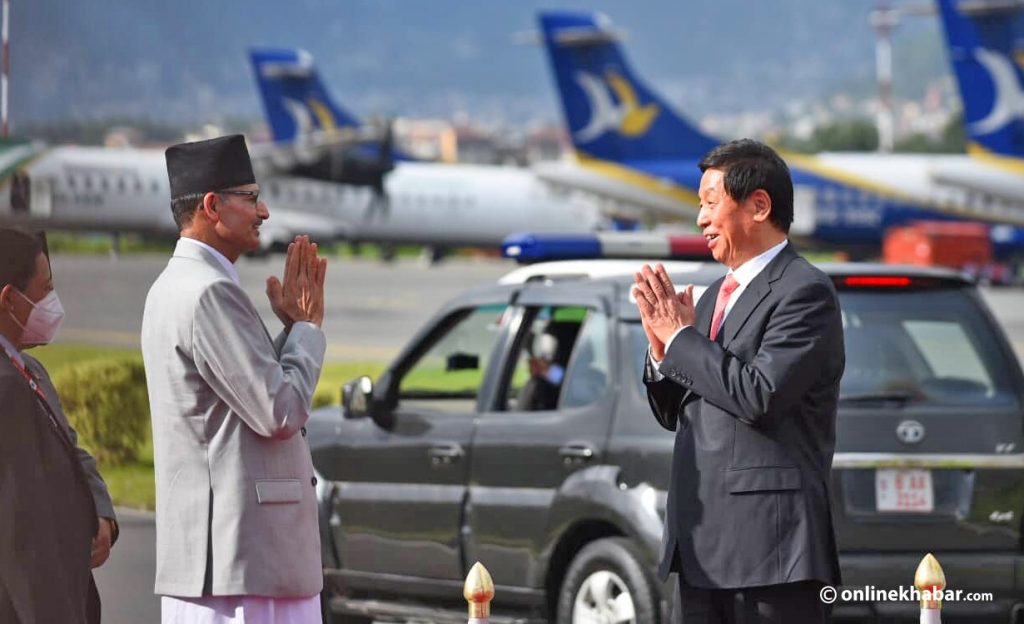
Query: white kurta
x,y
240,610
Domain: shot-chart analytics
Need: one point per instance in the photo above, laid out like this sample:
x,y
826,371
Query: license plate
x,y
904,490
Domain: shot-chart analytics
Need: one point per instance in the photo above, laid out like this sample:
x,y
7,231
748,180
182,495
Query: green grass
x,y
75,243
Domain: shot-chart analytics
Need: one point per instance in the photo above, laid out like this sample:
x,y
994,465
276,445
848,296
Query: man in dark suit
x,y
749,381
50,491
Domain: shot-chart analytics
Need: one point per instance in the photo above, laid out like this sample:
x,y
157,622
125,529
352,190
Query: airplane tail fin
x,y
989,67
611,114
294,99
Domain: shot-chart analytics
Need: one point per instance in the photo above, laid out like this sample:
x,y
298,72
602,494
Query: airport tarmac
x,y
372,308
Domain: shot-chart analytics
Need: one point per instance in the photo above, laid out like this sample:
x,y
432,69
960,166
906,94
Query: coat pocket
x,y
278,491
767,479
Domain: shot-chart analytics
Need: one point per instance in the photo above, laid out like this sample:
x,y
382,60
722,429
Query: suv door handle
x,y
445,453
576,452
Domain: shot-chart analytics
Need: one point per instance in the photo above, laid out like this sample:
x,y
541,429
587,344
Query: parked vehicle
x,y
439,463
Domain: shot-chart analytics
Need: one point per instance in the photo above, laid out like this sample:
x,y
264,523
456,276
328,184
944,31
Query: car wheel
x,y
607,584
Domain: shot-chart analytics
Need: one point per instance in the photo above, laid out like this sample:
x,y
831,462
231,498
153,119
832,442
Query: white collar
x,y
746,272
227,264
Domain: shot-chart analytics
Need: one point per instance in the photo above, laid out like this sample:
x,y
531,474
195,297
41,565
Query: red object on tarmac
x,y
954,244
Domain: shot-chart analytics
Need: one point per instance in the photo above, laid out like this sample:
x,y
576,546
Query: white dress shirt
x,y
743,274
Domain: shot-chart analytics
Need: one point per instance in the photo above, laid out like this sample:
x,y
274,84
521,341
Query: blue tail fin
x,y
611,114
988,63
294,99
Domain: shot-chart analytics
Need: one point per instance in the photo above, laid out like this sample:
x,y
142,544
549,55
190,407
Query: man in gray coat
x,y
749,381
237,536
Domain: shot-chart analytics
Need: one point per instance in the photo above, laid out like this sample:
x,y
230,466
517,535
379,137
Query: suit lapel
x,y
754,294
185,249
749,299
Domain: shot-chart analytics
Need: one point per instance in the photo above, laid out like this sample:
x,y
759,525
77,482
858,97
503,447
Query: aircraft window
x,y
120,185
104,184
155,187
71,182
88,183
138,185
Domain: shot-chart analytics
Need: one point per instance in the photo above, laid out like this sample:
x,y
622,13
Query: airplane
x,y
388,197
100,189
621,127
988,62
316,178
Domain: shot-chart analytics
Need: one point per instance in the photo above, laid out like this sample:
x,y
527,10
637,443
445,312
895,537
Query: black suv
x,y
453,456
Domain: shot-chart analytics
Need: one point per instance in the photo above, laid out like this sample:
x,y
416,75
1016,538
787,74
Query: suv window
x,y
545,349
448,376
588,373
928,345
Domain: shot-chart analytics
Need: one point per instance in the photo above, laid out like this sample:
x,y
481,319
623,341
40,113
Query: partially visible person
x,y
542,389
237,537
56,517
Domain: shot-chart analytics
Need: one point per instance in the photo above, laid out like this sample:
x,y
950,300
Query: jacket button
x,y
303,431
313,481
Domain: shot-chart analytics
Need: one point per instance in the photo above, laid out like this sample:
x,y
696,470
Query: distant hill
x,y
185,61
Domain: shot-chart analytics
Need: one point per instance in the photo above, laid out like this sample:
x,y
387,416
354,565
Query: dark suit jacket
x,y
47,515
755,420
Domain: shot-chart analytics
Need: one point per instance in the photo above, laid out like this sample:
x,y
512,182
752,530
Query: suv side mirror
x,y
462,361
356,396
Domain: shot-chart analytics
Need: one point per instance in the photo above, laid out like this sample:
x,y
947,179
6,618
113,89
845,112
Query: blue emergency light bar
x,y
527,248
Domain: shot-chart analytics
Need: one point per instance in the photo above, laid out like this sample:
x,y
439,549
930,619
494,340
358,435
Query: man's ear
x,y
762,202
7,297
209,207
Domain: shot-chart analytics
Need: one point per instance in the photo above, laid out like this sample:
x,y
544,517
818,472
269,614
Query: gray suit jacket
x,y
755,421
236,508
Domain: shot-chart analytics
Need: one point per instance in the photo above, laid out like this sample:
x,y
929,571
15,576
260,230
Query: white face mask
x,y
43,321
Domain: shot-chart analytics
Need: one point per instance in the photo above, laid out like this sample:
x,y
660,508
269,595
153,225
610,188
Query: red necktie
x,y
728,286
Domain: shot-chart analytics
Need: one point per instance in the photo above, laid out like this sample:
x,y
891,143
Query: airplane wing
x,y
623,194
281,157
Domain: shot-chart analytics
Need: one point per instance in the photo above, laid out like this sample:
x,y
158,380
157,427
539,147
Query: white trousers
x,y
240,610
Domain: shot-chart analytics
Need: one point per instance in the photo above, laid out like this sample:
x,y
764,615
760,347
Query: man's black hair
x,y
749,165
18,253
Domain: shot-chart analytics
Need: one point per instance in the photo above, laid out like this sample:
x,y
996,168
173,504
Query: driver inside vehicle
x,y
542,390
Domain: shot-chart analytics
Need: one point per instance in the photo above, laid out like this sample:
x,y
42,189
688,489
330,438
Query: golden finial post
x,y
479,591
930,582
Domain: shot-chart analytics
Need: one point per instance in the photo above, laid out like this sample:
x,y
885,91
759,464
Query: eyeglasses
x,y
253,195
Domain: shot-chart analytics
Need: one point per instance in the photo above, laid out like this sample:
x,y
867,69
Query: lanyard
x,y
38,389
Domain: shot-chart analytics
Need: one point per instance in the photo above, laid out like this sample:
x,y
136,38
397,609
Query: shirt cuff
x,y
656,364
